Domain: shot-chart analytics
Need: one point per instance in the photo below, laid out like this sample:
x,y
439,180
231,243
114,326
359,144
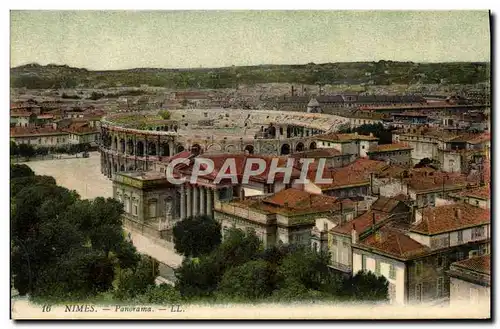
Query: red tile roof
x,y
385,204
34,131
335,137
394,242
293,202
300,200
389,148
482,192
240,160
481,264
354,174
361,223
450,218
16,114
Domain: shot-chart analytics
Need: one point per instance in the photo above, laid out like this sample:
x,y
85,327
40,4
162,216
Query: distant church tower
x,y
313,106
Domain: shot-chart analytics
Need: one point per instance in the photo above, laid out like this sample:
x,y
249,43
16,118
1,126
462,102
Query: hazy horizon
x,y
120,40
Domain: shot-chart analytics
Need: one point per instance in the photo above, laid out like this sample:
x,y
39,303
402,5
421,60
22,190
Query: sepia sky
x,y
174,39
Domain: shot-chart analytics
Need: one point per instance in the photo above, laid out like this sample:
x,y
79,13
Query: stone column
x,y
196,201
203,205
183,202
158,148
188,203
210,207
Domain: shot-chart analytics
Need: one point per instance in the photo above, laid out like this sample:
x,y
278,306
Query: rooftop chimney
x,y
325,226
354,234
458,213
371,134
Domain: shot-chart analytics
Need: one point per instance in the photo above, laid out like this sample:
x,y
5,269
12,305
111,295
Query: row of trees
x,y
29,151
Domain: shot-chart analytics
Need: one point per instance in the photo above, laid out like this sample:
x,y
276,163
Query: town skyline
x,y
104,40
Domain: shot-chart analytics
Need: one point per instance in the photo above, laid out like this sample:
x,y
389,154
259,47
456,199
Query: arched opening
x,y
151,148
122,168
285,149
115,167
312,146
131,168
115,144
175,128
180,148
122,145
196,149
249,149
140,148
130,146
271,131
165,149
299,147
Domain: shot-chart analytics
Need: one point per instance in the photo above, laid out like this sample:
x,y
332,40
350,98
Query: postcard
x,y
316,164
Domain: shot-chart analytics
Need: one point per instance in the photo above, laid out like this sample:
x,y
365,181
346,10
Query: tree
x,y
26,150
366,286
162,294
66,248
20,170
136,281
195,236
17,184
14,149
199,277
239,247
252,280
165,115
306,267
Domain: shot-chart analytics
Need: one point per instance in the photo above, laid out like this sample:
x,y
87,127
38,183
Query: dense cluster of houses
x,y
49,124
425,228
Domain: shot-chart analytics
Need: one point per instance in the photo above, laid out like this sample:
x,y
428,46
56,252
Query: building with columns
x,y
153,204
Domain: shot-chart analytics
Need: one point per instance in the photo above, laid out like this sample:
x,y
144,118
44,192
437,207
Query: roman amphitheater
x,y
135,141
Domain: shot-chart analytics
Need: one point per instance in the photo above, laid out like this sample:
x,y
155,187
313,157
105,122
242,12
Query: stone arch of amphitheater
x,y
137,140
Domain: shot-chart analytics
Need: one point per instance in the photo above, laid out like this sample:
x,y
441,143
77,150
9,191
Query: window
x,y
135,210
345,244
418,268
439,287
440,261
363,147
460,236
392,292
363,262
392,272
418,292
377,267
460,255
477,232
152,209
334,241
477,203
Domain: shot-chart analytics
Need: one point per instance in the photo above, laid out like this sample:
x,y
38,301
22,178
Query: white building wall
x,y
385,263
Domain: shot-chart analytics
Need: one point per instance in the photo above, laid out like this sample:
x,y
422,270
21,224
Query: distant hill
x,y
34,76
